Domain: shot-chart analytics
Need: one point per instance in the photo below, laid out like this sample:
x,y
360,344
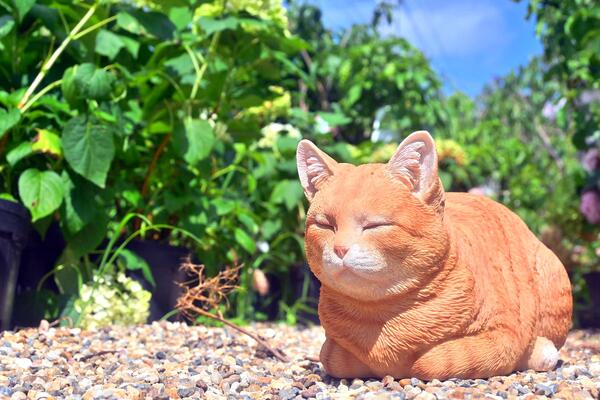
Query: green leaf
x,y
131,45
270,228
23,7
109,44
335,119
180,16
212,25
154,23
88,238
8,196
245,240
8,119
288,192
85,81
223,206
89,148
181,64
68,279
20,152
353,95
41,192
129,23
134,262
6,24
194,140
47,142
80,206
248,221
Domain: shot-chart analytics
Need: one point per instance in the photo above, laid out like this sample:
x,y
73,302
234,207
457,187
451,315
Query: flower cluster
x,y
116,300
272,132
269,10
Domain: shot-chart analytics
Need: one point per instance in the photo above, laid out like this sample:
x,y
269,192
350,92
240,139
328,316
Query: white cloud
x,y
451,28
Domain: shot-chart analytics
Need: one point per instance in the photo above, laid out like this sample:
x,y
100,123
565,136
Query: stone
x,y
186,392
387,380
288,393
425,396
310,392
23,363
411,391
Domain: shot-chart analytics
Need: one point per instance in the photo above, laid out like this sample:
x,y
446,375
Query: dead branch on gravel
x,y
202,296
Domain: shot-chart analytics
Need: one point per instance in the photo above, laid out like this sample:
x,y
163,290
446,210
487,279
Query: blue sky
x,y
469,42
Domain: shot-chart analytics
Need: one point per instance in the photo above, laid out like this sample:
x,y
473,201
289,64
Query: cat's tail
x,y
556,300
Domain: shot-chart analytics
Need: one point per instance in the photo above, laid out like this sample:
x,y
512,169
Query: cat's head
x,y
374,230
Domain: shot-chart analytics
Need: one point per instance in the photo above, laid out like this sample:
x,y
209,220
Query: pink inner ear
x,y
408,165
313,167
316,170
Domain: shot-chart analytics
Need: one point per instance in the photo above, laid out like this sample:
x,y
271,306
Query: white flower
x,y
322,126
262,246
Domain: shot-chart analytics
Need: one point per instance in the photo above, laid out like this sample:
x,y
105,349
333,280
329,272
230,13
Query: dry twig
x,y
202,295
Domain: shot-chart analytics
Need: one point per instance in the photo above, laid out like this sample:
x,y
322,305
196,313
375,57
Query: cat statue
x,y
416,282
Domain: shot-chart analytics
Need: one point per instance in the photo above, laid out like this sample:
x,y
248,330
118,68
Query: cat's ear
x,y
314,167
415,163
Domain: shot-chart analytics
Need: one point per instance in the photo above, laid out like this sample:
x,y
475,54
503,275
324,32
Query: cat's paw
x,y
544,355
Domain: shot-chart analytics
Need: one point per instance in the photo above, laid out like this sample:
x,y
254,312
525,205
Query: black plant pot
x,y
590,316
164,261
15,230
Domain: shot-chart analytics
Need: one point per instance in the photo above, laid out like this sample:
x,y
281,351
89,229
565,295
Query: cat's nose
x,y
340,251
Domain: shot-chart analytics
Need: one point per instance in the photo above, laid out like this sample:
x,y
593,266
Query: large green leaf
x,y
8,119
288,192
194,140
41,192
89,148
23,7
86,82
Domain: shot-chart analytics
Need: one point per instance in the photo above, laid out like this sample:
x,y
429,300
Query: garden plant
x,y
188,114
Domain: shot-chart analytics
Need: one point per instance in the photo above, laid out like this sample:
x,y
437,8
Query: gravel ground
x,y
173,360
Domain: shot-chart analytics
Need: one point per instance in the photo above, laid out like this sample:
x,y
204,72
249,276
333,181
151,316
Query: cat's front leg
x,y
340,363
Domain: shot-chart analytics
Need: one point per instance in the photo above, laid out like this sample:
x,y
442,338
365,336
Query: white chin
x,y
353,273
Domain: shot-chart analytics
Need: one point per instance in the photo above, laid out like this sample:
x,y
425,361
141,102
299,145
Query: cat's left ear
x,y
415,163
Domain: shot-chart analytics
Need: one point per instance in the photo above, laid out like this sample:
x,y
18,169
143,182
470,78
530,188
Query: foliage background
x,y
188,114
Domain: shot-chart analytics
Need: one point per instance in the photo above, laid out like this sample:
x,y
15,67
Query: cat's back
x,y
516,274
476,212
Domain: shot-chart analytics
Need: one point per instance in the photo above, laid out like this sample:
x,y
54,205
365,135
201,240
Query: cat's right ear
x,y
314,167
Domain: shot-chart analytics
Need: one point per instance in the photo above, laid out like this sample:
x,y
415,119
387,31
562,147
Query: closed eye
x,y
375,225
324,223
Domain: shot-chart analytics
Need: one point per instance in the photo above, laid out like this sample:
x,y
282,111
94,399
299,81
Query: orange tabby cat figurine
x,y
419,282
